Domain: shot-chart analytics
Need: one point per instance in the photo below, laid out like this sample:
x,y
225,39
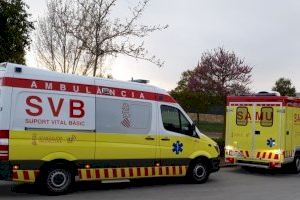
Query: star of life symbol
x,y
177,147
270,142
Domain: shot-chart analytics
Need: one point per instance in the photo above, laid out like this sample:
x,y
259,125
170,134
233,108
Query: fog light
x,y
16,167
87,166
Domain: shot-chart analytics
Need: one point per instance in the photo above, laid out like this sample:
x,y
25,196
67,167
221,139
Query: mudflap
x,y
5,171
215,164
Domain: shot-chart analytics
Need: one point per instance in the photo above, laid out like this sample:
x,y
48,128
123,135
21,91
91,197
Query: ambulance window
x,y
241,116
2,66
123,116
173,120
170,118
185,125
266,116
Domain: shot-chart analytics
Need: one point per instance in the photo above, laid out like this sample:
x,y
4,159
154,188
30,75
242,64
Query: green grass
x,y
208,127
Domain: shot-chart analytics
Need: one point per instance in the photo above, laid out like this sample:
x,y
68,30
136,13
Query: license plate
x,y
237,154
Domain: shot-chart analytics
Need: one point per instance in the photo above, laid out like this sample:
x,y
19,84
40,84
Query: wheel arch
x,y
66,164
203,158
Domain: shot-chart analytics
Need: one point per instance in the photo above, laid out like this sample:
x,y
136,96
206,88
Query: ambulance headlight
x,y
229,148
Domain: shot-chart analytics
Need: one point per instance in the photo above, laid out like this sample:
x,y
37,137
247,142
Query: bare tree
x,y
77,36
56,48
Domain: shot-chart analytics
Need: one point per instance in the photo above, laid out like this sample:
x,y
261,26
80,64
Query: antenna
x,y
140,81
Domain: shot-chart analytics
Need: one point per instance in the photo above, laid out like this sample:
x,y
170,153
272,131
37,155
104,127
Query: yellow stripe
x,y
21,178
31,176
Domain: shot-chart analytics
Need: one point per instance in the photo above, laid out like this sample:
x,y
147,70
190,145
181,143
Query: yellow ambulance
x,y
263,131
56,127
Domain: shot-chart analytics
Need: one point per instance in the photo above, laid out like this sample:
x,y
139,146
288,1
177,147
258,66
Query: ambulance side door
x,y
176,140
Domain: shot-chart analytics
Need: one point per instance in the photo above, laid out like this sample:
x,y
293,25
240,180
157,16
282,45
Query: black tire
x,y
198,172
56,180
296,165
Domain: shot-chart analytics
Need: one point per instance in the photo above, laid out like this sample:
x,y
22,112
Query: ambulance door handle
x,y
149,138
165,139
257,132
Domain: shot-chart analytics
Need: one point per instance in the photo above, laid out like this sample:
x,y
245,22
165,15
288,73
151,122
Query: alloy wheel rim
x,y
57,180
199,172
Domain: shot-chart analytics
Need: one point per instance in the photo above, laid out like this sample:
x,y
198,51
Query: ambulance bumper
x,y
5,170
215,164
265,165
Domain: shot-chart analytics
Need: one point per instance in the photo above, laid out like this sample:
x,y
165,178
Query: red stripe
x,y
146,171
180,169
15,175
88,174
279,99
258,154
4,157
4,134
247,153
130,172
106,173
83,88
160,171
276,157
270,155
36,173
153,171
174,170
115,173
3,148
123,172
264,155
167,171
97,171
26,175
138,171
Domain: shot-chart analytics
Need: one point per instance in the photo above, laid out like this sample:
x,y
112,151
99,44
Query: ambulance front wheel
x,y
198,172
56,180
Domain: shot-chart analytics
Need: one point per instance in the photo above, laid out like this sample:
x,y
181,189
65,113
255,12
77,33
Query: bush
x,y
208,127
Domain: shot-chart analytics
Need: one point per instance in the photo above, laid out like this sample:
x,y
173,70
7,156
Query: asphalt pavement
x,y
228,183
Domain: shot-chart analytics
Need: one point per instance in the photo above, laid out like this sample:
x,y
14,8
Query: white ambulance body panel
x,y
42,99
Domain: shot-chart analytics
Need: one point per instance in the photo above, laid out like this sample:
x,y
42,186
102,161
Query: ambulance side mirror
x,y
193,130
193,127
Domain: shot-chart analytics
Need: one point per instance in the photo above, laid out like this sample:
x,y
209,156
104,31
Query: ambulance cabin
x,y
263,130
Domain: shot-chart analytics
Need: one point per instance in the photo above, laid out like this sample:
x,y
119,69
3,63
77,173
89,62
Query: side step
x,y
116,181
253,165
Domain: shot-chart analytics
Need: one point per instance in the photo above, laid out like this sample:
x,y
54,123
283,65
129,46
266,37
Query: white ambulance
x,y
55,127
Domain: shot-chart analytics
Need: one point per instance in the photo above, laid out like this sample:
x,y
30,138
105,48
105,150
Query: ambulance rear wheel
x,y
296,165
56,180
198,172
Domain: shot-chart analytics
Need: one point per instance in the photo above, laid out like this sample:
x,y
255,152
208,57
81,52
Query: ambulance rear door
x,y
267,132
240,129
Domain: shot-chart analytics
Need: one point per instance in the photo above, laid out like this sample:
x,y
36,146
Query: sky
x,y
266,34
